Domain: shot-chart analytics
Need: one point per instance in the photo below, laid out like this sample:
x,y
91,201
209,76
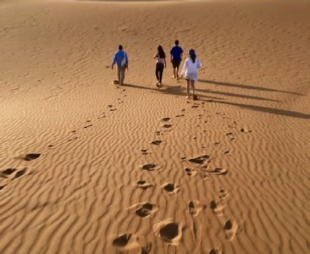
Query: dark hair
x,y
161,52
176,42
120,47
192,55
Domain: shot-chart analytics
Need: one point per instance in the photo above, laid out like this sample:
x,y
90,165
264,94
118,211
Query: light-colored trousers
x,y
121,75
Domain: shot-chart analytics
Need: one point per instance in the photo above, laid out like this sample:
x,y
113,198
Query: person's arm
x,y
184,68
113,62
199,65
165,62
127,61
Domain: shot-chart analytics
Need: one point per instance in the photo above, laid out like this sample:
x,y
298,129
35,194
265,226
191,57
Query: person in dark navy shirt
x,y
176,58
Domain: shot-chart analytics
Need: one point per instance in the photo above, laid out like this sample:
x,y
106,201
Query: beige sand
x,y
79,172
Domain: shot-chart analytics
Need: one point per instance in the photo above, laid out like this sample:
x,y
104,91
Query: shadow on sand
x,y
246,86
179,90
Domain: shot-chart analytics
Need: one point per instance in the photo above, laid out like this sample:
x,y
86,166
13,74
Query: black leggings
x,y
159,71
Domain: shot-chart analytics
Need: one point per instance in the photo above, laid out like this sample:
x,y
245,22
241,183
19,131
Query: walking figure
x,y
176,58
160,57
121,60
190,72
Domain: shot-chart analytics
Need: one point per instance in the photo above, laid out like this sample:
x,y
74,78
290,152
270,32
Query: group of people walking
x,y
189,70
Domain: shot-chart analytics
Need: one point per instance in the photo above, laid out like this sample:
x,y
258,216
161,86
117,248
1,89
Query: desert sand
x,y
87,166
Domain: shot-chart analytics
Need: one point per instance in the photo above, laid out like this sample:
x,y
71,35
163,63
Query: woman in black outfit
x,y
160,57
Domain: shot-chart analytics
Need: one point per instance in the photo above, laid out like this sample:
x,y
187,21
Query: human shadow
x,y
274,111
237,95
176,90
246,86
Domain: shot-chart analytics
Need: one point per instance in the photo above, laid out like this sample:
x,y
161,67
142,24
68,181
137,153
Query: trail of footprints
x,y
11,174
89,123
169,231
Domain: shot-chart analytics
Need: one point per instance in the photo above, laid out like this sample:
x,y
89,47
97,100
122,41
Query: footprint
x,y
130,242
180,115
126,242
148,167
223,194
217,171
101,116
190,172
170,188
200,159
8,171
156,142
215,251
168,231
245,130
74,138
20,173
217,207
87,126
144,152
167,125
195,207
32,156
144,210
111,108
165,119
144,185
230,228
208,177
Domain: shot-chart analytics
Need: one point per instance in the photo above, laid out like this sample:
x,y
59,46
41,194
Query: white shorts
x,y
192,76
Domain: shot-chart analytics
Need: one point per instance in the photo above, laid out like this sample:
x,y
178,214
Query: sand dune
x,y
87,166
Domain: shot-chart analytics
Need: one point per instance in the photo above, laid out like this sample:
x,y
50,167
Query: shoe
x,y
195,98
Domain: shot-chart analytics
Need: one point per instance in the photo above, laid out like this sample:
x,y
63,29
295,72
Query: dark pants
x,y
159,71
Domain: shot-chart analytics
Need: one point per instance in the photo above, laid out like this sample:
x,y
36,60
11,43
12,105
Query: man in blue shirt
x,y
121,60
176,58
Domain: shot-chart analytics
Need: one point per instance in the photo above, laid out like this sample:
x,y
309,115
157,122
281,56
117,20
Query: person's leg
x,y
157,72
173,68
119,74
123,75
187,88
161,71
177,69
193,88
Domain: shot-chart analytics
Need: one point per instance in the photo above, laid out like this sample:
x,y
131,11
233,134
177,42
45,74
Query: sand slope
x,y
90,167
